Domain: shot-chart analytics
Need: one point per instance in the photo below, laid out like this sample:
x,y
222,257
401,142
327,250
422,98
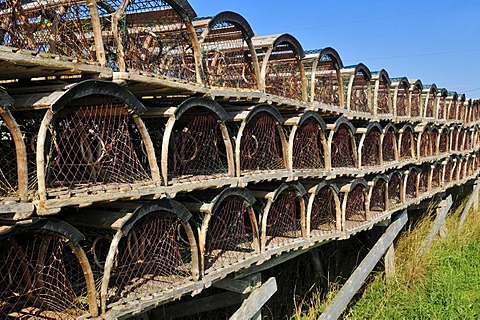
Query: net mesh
x,y
40,278
436,176
429,108
452,109
402,101
324,211
371,149
95,144
359,97
308,150
156,40
454,139
283,221
261,145
197,149
378,197
283,76
355,210
227,59
433,141
425,144
441,108
229,234
383,98
416,102
394,190
153,256
8,162
342,148
327,84
389,146
406,146
423,180
410,188
448,171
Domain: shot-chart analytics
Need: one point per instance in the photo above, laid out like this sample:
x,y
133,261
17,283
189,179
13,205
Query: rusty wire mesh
x,y
40,278
324,211
153,256
59,27
402,101
227,58
452,110
407,145
411,185
283,76
379,196
155,39
394,190
383,98
423,180
261,145
308,150
437,176
389,146
95,144
359,96
371,149
197,148
342,149
441,108
416,102
283,221
429,108
327,85
356,204
425,144
229,234
8,162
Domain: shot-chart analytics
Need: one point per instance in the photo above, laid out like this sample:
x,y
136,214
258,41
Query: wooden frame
x,y
313,193
400,91
349,76
365,132
382,90
339,123
347,189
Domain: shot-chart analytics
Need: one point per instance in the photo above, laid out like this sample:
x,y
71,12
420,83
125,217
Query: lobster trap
x,y
137,249
443,141
389,144
309,143
370,145
229,228
416,100
454,138
354,203
423,179
324,213
342,144
358,83
411,184
383,101
424,143
452,106
154,36
229,59
406,143
437,176
326,80
430,101
395,189
378,195
448,171
44,273
400,88
442,105
281,57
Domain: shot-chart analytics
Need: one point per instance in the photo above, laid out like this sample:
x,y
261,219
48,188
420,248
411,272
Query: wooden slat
x,y
256,300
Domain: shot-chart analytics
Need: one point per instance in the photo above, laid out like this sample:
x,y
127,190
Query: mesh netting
x,y
308,150
425,144
378,197
394,190
429,108
407,145
402,101
8,162
433,141
95,144
452,109
327,85
371,149
461,138
324,211
448,172
283,77
229,234
436,176
411,188
58,27
156,40
356,200
227,59
359,97
388,146
454,140
441,108
342,149
261,145
456,171
40,278
196,148
416,102
153,256
283,221
423,181
383,98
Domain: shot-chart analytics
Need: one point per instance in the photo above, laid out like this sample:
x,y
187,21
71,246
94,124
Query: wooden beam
x,y
253,304
473,198
353,284
243,286
437,224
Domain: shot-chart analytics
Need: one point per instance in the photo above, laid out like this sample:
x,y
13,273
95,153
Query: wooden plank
x,y
353,284
243,286
389,261
471,200
255,301
437,224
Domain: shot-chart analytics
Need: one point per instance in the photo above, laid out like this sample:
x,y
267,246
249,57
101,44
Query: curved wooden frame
x,y
430,102
347,189
372,184
401,186
441,108
333,129
351,73
378,78
313,193
407,127
415,171
365,132
386,129
398,84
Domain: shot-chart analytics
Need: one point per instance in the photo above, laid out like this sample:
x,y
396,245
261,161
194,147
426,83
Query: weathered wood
x,y
256,300
389,261
473,198
353,284
243,285
437,224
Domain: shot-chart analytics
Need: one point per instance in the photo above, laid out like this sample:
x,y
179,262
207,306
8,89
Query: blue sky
x,y
434,41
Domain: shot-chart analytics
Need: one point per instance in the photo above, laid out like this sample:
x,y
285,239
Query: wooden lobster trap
x,y
416,101
378,196
382,99
441,113
406,143
389,144
323,211
370,146
358,90
354,201
395,189
430,102
400,92
343,155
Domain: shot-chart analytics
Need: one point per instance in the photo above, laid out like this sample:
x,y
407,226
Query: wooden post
x,y
353,284
389,261
251,307
473,198
437,224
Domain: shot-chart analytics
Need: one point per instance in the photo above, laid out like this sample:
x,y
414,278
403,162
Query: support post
x,y
252,306
473,199
437,224
389,261
354,283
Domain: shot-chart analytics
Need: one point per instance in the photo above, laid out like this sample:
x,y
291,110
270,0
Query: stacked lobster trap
x,y
146,153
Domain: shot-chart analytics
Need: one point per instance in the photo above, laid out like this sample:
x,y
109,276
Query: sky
x,y
434,41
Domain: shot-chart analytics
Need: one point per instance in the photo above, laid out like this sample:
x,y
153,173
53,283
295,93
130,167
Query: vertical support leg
x,y
389,260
